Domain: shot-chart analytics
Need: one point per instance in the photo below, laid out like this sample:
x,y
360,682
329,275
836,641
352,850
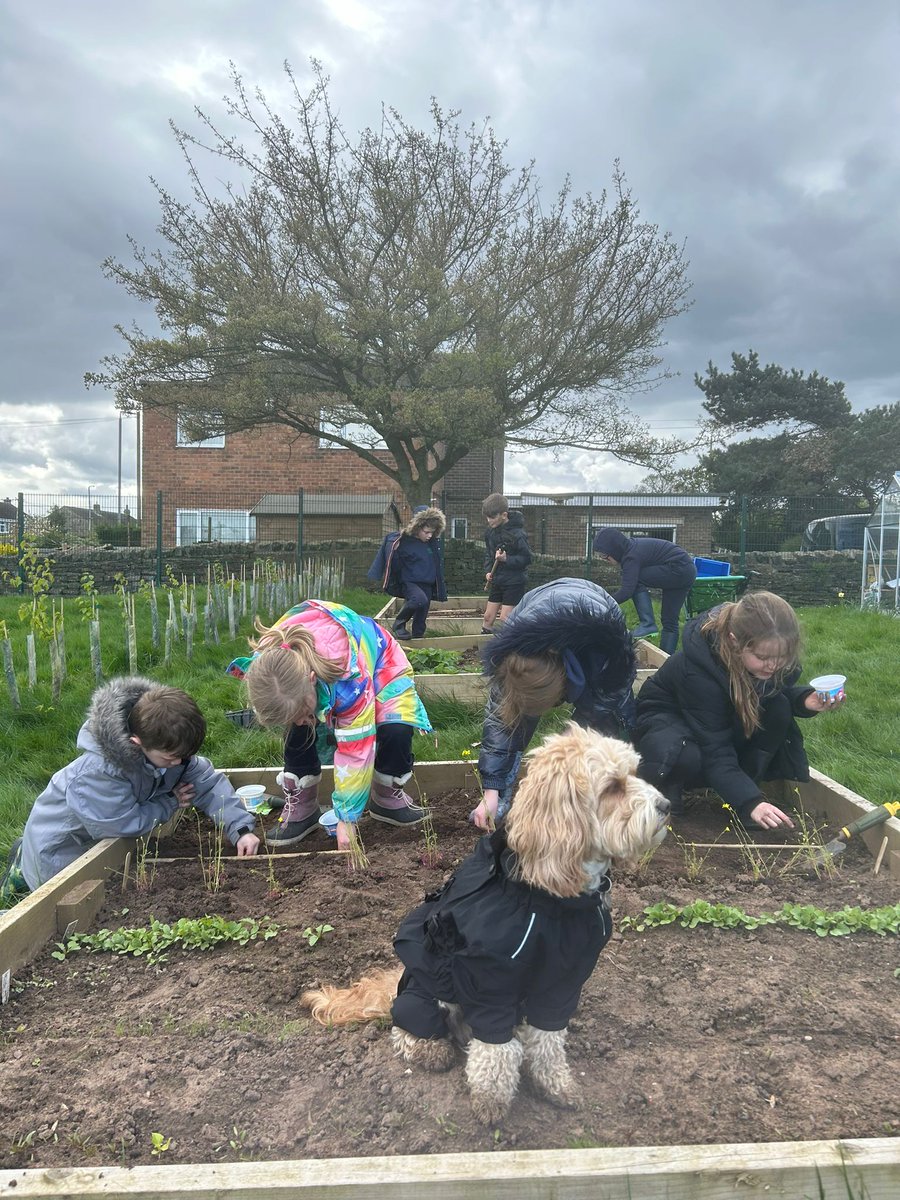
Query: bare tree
x,y
406,296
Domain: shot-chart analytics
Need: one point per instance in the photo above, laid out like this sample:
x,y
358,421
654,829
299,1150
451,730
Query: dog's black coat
x,y
501,950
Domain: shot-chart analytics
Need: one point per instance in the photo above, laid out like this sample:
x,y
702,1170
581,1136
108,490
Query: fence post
x,y
20,532
159,539
299,552
742,538
589,552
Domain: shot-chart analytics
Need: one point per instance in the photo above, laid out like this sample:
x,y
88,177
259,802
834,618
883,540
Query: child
x,y
646,563
409,565
506,559
564,641
322,662
138,764
720,713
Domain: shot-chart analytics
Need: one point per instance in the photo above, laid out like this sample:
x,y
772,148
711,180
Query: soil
x,y
682,1036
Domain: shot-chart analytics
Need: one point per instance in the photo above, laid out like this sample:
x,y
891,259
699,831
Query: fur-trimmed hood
x,y
568,614
105,731
425,516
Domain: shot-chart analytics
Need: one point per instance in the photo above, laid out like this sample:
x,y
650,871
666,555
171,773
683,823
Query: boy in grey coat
x,y
138,764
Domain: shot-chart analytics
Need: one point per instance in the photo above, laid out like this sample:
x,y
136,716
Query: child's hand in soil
x,y
247,846
770,817
184,794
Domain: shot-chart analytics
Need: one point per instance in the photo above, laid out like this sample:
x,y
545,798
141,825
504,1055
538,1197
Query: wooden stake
x,y
884,845
151,862
125,870
753,845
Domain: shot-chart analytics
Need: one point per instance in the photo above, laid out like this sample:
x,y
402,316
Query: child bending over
x,y
138,764
720,712
324,663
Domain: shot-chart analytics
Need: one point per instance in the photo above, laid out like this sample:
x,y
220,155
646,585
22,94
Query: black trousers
x,y
675,581
393,750
417,602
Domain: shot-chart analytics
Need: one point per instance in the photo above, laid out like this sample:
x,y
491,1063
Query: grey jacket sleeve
x,y
215,796
105,804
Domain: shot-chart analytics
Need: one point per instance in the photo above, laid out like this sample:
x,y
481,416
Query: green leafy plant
x,y
315,933
159,1144
820,921
154,940
434,661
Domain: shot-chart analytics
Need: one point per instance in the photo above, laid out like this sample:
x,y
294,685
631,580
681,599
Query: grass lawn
x,y
858,746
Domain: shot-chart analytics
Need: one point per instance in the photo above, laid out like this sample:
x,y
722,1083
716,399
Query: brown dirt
x,y
682,1036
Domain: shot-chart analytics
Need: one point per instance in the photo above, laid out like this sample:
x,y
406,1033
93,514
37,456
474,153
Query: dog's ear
x,y
552,825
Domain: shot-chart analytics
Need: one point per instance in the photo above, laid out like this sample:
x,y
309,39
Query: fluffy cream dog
x,y
495,961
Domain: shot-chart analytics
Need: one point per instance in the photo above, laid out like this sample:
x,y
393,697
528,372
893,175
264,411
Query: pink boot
x,y
388,801
300,814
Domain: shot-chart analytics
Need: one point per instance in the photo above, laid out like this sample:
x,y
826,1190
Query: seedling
x,y
357,859
315,933
211,855
431,856
159,1144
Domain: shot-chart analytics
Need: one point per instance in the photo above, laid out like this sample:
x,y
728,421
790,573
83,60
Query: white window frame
x,y
356,431
216,442
646,529
240,515
7,525
455,522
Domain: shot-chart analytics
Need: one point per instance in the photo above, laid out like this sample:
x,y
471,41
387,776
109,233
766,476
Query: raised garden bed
x,y
683,1036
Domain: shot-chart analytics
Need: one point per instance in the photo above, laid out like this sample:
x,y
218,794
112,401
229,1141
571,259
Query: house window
x,y
665,533
213,525
362,435
7,525
459,527
215,442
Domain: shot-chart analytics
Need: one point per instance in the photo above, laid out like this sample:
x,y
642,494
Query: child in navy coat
x,y
649,563
409,565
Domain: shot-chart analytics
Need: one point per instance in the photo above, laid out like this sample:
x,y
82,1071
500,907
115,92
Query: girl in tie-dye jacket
x,y
324,663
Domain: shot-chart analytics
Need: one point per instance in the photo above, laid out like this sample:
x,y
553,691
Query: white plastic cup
x,y
829,687
329,822
252,796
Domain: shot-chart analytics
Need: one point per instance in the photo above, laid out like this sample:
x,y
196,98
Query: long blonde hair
x,y
530,685
278,679
755,618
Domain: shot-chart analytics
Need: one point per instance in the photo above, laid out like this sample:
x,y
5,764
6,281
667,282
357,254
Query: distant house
x,y
8,518
223,488
324,516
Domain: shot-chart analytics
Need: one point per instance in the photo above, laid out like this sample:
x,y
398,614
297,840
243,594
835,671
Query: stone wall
x,y
812,578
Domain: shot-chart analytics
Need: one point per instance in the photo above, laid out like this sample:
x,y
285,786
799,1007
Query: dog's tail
x,y
366,1000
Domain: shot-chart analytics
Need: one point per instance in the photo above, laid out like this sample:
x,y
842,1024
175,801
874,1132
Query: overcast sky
x,y
765,134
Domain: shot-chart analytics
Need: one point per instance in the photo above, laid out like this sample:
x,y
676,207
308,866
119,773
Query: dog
x,y
495,961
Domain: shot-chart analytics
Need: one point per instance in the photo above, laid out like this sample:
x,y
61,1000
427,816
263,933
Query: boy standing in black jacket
x,y
506,559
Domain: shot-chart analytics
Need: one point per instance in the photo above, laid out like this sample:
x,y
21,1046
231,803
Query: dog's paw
x,y
429,1054
489,1109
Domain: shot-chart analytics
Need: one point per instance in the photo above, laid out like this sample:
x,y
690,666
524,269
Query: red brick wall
x,y
268,459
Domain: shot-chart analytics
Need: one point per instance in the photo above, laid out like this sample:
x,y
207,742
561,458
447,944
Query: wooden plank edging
x,y
834,1170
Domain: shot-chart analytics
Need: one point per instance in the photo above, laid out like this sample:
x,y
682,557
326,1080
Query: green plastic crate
x,y
710,590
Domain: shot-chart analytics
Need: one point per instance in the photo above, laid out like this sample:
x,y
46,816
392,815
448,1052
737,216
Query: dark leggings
x,y
393,750
675,581
416,604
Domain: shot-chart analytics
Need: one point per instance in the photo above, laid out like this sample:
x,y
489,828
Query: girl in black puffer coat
x,y
720,713
564,641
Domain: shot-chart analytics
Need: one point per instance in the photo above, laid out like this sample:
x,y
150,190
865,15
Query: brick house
x,y
558,524
211,489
